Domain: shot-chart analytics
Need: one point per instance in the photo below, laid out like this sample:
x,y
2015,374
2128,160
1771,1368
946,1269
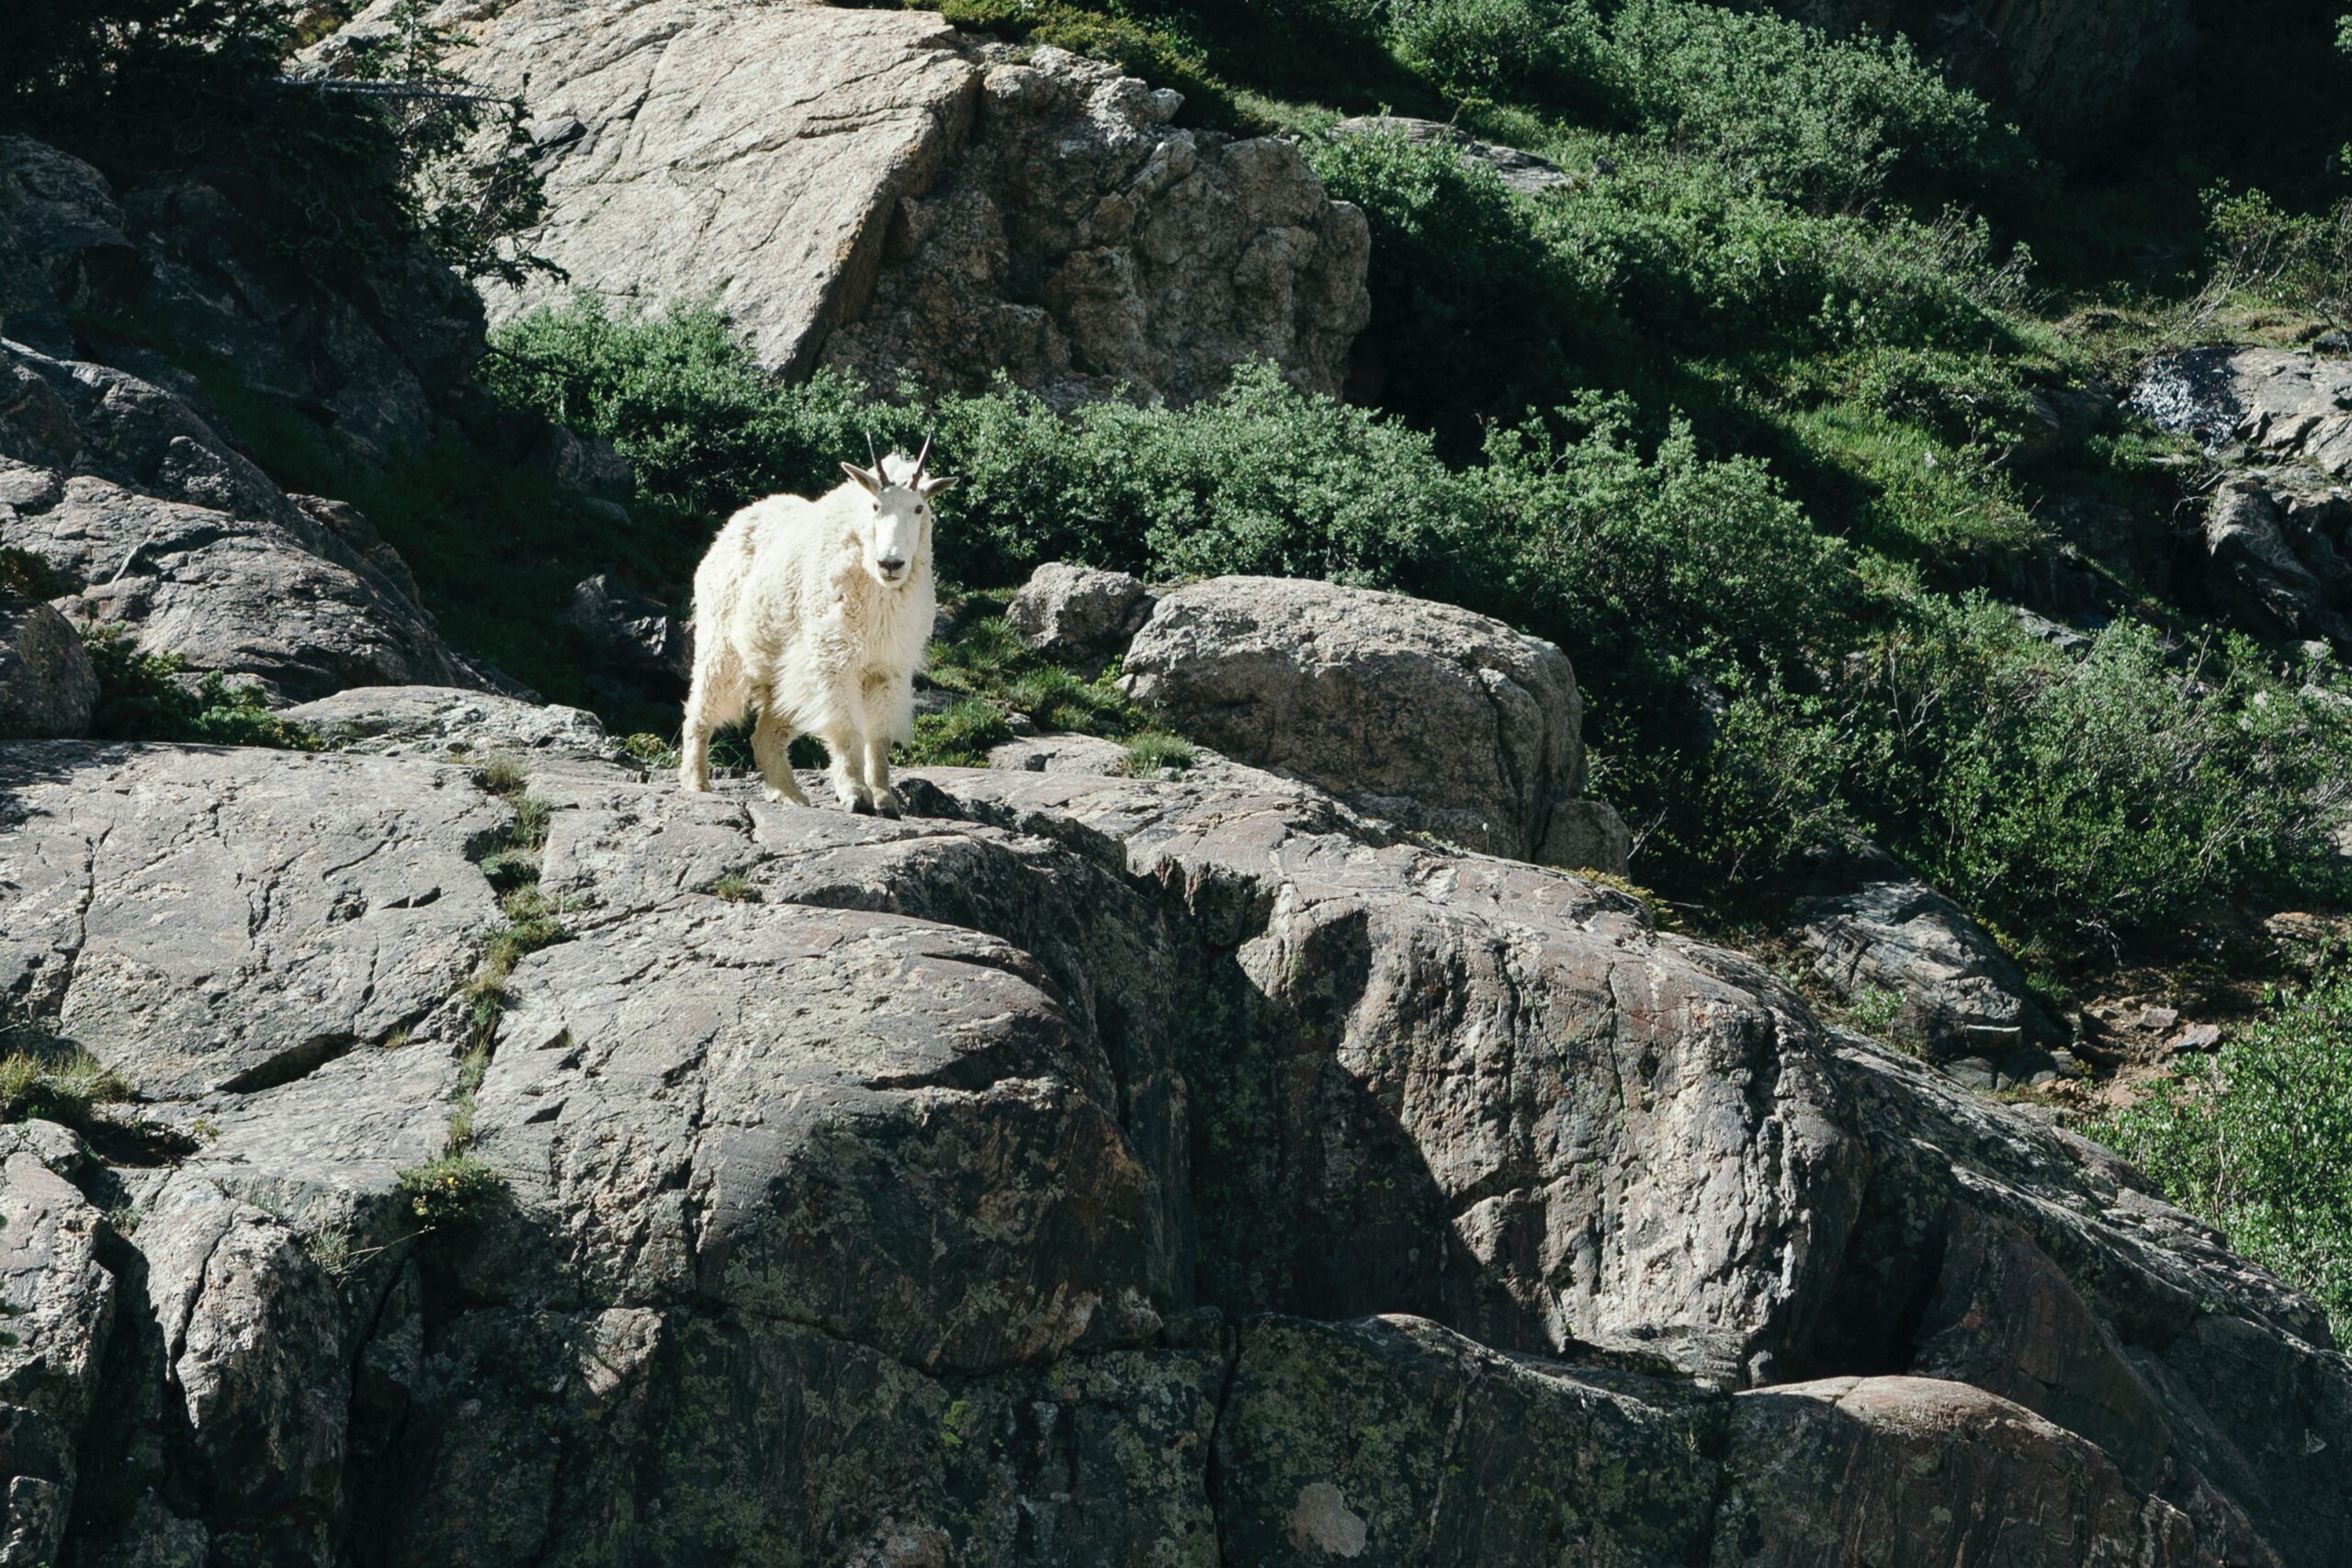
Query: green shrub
x,y
24,575
1669,557
450,1191
1514,50
682,396
2259,1140
2082,803
144,696
2298,259
1828,123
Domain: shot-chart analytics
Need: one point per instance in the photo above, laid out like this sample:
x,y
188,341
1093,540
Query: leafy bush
x,y
2259,1140
2080,802
1503,48
2303,259
145,697
1827,123
1672,558
682,396
24,575
450,1190
141,85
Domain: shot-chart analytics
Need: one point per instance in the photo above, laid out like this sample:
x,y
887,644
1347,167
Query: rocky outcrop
x,y
1430,716
1074,612
876,1192
629,629
869,189
1874,928
451,725
366,360
1390,1441
47,686
752,156
2275,544
1085,246
2066,68
2276,561
158,526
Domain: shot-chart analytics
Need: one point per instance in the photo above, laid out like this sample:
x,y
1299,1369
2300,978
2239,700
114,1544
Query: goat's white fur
x,y
797,615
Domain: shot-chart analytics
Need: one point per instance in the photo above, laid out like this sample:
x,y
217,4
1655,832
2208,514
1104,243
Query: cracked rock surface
x,y
161,528
869,188
1082,1170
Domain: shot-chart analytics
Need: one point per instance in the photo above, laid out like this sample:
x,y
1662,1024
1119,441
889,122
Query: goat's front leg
x,y
878,777
881,722
772,749
847,746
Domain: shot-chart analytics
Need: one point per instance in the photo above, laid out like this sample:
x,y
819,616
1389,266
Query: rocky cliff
x,y
1082,1170
871,189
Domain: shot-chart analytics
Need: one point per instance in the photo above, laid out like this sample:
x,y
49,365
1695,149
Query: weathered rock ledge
x,y
906,1192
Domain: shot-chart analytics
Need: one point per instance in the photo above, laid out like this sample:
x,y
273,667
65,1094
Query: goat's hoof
x,y
861,806
888,804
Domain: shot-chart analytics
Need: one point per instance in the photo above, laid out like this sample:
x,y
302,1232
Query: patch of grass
x,y
735,888
993,675
502,776
1155,750
331,1248
147,696
960,736
65,1087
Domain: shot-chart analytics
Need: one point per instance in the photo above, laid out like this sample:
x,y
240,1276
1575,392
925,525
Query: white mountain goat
x,y
815,613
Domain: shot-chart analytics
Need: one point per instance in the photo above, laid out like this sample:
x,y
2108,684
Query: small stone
x,y
2197,1037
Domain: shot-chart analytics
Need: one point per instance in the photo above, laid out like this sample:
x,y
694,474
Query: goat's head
x,y
897,532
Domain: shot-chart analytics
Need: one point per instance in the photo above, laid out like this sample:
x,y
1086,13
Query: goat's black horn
x,y
875,458
920,458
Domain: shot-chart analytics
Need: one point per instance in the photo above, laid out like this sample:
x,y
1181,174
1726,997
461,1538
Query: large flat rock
x,y
202,919
913,1191
749,155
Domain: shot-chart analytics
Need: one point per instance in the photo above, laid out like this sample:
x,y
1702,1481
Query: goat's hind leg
x,y
714,699
772,749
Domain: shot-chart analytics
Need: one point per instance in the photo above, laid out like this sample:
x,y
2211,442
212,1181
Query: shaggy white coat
x,y
795,618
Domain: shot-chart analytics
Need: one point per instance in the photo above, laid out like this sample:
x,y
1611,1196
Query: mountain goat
x,y
815,613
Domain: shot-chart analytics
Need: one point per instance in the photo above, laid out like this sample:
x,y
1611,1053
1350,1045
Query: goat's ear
x,y
871,481
935,487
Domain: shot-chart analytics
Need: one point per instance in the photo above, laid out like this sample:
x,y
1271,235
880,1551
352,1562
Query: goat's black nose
x,y
893,563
